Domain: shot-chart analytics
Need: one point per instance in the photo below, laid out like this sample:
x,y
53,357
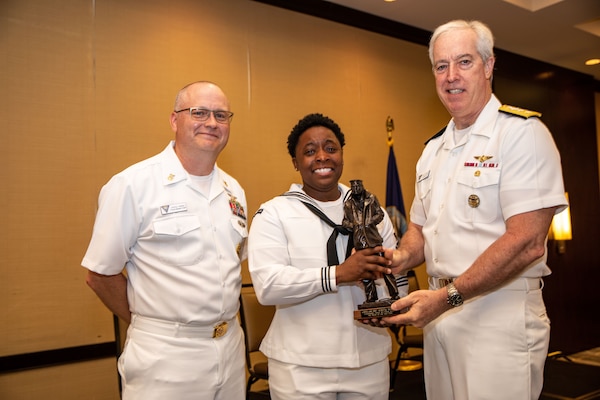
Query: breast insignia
x,y
520,112
483,158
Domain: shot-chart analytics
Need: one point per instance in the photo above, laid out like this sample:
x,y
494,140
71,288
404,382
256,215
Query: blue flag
x,y
394,204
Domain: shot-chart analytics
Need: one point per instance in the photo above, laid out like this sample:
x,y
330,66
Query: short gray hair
x,y
485,38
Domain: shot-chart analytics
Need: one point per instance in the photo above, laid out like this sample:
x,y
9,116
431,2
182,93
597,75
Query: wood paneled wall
x,y
87,90
88,87
567,103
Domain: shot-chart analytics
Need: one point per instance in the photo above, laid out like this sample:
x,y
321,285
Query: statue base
x,y
376,309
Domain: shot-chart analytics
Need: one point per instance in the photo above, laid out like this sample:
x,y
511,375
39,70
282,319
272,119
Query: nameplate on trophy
x,y
378,309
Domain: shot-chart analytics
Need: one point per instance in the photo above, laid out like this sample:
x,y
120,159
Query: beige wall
x,y
90,380
87,88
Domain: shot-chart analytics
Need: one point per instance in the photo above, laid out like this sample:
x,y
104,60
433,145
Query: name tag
x,y
173,208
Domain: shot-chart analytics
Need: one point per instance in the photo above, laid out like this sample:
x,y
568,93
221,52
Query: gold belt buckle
x,y
220,329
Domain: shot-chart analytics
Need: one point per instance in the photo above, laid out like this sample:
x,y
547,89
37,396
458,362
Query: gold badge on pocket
x,y
473,201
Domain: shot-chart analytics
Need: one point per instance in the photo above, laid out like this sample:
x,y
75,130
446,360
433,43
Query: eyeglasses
x,y
202,114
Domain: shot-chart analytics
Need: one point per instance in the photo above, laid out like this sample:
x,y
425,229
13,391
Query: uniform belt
x,y
179,329
438,283
517,284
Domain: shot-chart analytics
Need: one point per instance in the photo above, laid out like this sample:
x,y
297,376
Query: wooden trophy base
x,y
375,309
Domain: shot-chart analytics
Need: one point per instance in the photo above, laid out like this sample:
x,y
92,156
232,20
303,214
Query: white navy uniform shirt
x,y
465,191
314,324
181,250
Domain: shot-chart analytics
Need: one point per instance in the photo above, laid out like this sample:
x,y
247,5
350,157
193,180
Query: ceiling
x,y
566,33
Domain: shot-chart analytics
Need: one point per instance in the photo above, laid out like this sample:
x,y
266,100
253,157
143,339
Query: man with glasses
x,y
176,224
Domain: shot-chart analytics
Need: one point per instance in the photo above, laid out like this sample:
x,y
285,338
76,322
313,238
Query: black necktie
x,y
332,257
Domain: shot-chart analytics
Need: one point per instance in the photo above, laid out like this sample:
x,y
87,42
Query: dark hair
x,y
309,121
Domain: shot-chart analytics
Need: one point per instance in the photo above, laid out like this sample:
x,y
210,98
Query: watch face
x,y
455,300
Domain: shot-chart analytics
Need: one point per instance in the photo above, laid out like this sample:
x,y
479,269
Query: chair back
x,y
255,318
406,339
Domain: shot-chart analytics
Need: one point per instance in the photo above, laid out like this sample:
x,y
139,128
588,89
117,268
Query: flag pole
x,y
393,193
389,125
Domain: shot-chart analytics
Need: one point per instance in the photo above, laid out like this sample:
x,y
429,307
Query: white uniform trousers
x,y
182,363
494,346
297,382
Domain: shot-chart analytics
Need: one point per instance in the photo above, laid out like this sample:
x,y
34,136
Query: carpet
x,y
568,380
572,377
564,379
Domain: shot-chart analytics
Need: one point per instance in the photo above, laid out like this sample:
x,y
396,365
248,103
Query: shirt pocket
x,y
479,195
180,240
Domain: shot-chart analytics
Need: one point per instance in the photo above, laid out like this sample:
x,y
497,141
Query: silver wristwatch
x,y
454,297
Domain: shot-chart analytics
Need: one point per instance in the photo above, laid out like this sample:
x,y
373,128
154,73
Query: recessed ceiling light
x,y
593,61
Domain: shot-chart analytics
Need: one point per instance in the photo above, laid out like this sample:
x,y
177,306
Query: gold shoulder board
x,y
521,112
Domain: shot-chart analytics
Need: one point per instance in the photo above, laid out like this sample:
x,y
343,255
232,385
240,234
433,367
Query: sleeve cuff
x,y
328,283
